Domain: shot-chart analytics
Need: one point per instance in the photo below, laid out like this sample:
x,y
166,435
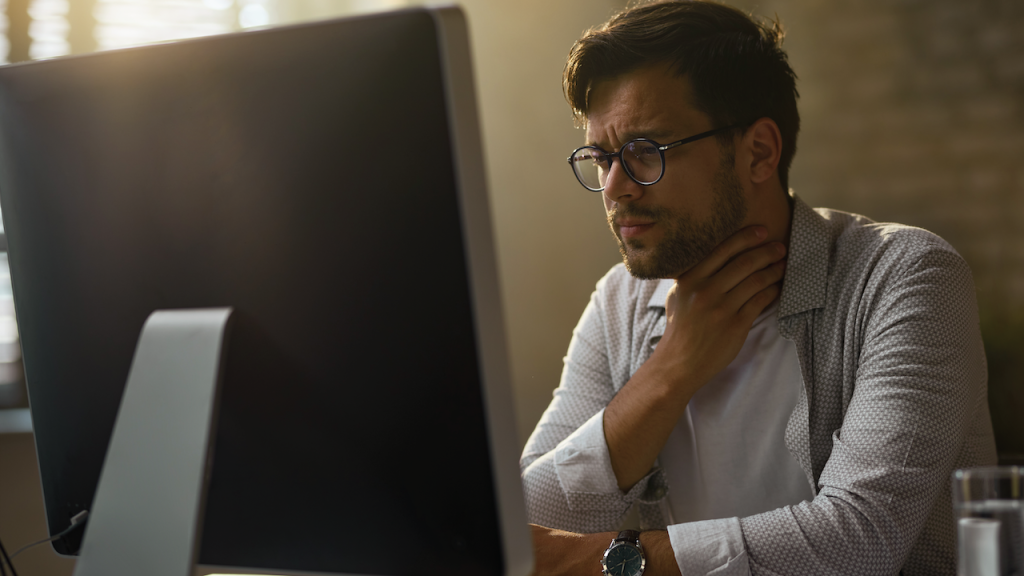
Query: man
x,y
773,389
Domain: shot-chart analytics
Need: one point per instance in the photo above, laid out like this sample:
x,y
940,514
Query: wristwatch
x,y
624,556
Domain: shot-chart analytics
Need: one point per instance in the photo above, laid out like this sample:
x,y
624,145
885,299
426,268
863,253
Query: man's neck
x,y
772,208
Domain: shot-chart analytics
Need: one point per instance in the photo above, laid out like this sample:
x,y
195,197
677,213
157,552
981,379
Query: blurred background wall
x,y
913,111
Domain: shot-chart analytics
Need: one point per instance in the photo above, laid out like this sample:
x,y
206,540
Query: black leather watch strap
x,y
629,536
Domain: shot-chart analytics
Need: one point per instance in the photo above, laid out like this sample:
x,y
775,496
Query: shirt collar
x,y
660,293
806,269
810,245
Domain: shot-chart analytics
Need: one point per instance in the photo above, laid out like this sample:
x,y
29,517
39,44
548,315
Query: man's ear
x,y
763,141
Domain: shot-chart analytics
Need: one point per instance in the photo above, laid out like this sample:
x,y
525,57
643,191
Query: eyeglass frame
x,y
661,150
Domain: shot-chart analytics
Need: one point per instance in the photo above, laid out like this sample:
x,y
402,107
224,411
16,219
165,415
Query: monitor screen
x,y
325,180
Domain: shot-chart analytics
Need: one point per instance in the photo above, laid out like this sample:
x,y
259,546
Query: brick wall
x,y
913,111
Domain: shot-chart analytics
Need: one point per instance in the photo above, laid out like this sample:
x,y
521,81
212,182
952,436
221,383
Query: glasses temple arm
x,y
699,136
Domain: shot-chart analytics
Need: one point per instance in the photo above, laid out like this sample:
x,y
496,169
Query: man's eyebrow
x,y
659,136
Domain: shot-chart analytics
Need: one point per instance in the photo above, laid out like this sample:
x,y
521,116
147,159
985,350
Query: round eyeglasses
x,y
642,158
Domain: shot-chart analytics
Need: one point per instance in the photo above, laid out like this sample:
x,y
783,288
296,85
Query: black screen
x,y
303,176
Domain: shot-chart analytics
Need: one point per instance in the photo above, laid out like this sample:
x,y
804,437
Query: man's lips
x,y
629,228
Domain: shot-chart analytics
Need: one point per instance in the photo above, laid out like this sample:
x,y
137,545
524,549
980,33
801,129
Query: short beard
x,y
686,242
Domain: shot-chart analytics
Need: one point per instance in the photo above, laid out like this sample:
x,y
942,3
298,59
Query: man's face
x,y
664,229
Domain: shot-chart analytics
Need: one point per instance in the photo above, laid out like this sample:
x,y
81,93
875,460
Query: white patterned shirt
x,y
894,398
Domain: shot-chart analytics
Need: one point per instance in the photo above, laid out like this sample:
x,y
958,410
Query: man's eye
x,y
641,149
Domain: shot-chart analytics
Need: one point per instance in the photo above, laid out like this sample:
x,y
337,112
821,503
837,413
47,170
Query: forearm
x,y
638,421
560,553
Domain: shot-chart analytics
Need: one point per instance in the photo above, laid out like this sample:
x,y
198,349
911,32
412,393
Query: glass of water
x,y
988,506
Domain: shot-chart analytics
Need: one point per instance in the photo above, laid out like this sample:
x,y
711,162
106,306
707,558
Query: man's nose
x,y
619,187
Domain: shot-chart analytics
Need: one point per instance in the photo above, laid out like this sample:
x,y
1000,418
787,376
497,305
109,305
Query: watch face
x,y
623,560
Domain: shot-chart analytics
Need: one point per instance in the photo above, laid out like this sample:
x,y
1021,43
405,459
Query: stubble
x,y
687,241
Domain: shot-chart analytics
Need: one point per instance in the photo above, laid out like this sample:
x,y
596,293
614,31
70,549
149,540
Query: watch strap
x,y
628,536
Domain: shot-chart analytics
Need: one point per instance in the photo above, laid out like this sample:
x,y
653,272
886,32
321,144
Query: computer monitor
x,y
326,181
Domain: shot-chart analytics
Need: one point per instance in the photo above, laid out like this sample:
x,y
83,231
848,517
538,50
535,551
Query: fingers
x,y
740,276
747,264
759,302
743,239
757,291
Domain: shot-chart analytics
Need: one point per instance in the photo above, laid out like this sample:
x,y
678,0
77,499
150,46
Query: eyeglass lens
x,y
641,159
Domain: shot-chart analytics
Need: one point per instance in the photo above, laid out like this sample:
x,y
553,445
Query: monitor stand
x,y
151,490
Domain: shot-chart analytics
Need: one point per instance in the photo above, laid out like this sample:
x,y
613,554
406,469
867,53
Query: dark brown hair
x,y
734,63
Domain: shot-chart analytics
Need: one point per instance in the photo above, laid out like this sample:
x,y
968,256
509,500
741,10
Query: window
x,y
51,28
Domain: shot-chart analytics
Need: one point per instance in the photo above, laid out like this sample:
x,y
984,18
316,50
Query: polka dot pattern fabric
x,y
885,323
